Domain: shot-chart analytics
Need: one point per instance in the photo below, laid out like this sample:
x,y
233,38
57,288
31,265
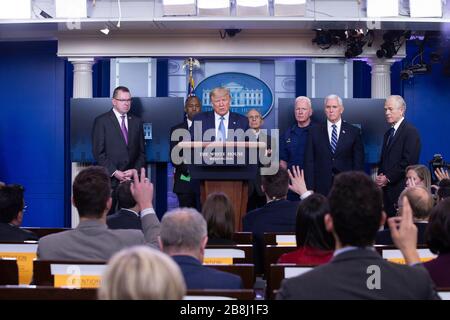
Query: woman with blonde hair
x,y
142,273
418,175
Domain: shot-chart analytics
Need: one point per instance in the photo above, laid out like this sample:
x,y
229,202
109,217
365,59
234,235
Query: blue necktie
x,y
334,139
221,134
390,136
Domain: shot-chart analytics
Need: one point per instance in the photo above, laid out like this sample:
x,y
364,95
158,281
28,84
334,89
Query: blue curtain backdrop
x,y
32,127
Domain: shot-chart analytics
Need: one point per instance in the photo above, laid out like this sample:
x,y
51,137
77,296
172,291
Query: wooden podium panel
x,y
236,190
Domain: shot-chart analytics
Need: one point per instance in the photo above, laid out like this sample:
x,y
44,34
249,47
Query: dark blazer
x,y
182,186
347,275
198,276
403,151
275,216
439,270
384,236
109,147
11,233
235,121
124,219
321,165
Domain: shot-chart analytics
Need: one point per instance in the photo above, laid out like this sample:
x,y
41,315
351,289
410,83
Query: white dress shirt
x,y
330,129
225,123
119,118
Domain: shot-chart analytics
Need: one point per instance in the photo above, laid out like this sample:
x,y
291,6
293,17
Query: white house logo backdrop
x,y
247,92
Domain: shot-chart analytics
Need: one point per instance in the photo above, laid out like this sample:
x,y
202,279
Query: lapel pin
x,y
343,131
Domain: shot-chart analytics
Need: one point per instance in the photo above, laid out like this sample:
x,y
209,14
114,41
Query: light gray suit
x,y
92,240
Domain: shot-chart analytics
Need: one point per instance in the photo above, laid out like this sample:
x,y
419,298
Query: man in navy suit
x,y
128,216
333,147
186,189
277,215
401,148
220,121
184,236
118,140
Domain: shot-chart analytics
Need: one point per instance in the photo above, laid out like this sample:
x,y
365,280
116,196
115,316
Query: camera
x,y
438,162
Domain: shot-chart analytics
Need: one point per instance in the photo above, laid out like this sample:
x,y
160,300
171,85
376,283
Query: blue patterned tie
x,y
221,134
334,139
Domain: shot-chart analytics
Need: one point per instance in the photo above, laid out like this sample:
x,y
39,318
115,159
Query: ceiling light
x,y
105,31
425,9
247,8
213,8
382,8
71,9
15,9
179,7
283,8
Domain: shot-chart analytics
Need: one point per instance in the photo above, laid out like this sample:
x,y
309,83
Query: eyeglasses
x,y
123,100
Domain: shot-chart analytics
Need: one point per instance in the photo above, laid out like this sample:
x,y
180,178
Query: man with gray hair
x,y
293,141
401,148
184,236
421,202
333,147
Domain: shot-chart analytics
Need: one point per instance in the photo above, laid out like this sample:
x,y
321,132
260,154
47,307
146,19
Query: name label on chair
x,y
222,256
285,240
24,254
77,276
395,255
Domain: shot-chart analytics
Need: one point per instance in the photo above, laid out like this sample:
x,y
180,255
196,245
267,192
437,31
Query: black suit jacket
x,y
109,147
403,151
321,165
182,186
275,216
9,233
347,275
384,236
235,121
124,219
198,276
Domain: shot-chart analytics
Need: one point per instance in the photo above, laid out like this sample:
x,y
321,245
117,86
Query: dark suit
x,y
438,269
207,119
186,191
275,216
256,197
321,165
124,219
109,147
11,233
403,151
384,236
347,276
198,276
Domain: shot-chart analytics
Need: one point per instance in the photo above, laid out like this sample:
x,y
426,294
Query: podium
x,y
223,167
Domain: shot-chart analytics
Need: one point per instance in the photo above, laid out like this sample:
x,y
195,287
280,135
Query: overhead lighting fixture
x,y
15,9
213,8
75,9
248,8
105,31
392,42
327,38
425,9
382,8
289,8
179,7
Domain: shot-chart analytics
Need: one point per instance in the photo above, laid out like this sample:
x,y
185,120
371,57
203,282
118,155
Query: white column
x,y
82,88
82,77
381,77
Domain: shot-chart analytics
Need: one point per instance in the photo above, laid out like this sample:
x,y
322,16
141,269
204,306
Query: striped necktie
x,y
334,139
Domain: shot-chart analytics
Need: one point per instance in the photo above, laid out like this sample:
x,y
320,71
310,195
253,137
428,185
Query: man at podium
x,y
221,119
